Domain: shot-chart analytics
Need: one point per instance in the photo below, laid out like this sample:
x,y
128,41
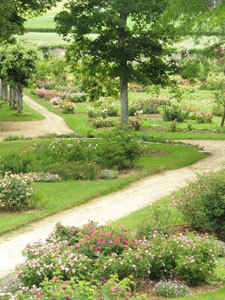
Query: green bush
x,y
15,192
111,289
120,148
108,174
156,221
68,107
77,170
203,203
77,97
217,110
201,117
16,163
171,113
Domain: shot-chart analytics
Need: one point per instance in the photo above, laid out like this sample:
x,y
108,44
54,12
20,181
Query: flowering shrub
x,y
148,107
15,192
201,117
47,84
46,177
92,113
57,289
94,253
109,111
101,122
171,113
55,101
135,124
171,289
68,107
203,203
77,97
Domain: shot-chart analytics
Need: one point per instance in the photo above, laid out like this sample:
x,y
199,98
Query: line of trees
x,y
17,66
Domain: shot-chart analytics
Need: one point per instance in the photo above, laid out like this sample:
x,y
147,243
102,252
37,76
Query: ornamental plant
x,y
68,107
15,192
94,253
120,148
202,203
171,289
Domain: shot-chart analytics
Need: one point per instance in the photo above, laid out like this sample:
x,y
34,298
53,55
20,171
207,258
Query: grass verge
x,y
7,114
54,197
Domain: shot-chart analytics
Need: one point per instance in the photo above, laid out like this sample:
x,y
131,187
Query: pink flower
x,y
110,242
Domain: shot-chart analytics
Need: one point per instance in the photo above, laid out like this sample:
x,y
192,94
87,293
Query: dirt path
x,y
110,207
51,124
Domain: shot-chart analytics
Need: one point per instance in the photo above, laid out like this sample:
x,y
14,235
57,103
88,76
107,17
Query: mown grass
x,y
7,114
53,197
51,38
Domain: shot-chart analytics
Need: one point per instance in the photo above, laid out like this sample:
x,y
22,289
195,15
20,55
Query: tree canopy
x,y
128,39
13,13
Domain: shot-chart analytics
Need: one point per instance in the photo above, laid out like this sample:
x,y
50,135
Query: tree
x,y
131,38
17,65
13,13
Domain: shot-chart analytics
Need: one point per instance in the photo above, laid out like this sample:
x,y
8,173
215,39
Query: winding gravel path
x,y
51,124
110,207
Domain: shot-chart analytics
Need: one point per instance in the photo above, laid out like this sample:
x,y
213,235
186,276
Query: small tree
x,y
17,69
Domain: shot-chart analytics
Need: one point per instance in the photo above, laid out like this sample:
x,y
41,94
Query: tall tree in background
x,y
13,13
128,38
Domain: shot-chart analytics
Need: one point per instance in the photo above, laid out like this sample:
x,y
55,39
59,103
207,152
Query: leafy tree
x,y
17,66
127,39
13,13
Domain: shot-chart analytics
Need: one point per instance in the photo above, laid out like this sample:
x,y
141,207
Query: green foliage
x,y
157,221
75,170
203,203
171,289
77,97
18,65
13,12
68,107
171,113
120,148
97,252
15,192
201,117
108,174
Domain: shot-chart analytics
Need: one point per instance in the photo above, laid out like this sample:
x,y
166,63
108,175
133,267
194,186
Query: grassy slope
x,y
53,197
7,114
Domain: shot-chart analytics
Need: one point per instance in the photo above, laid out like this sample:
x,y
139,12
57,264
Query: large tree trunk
x,y
123,72
223,117
14,97
4,89
20,100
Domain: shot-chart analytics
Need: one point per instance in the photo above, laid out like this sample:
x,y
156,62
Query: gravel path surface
x,y
51,124
110,207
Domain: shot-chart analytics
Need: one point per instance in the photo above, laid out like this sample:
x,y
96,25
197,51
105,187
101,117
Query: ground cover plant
x,y
51,197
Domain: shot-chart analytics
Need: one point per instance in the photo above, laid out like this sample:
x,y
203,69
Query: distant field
x,y
51,38
40,22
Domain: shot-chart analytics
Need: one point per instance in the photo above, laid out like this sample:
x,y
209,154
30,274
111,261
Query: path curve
x,y
51,124
110,207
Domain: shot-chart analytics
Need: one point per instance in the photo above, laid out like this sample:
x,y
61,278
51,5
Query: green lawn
x,y
7,114
53,197
51,38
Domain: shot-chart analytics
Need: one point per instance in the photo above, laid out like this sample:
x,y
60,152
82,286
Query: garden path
x,y
110,207
51,124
